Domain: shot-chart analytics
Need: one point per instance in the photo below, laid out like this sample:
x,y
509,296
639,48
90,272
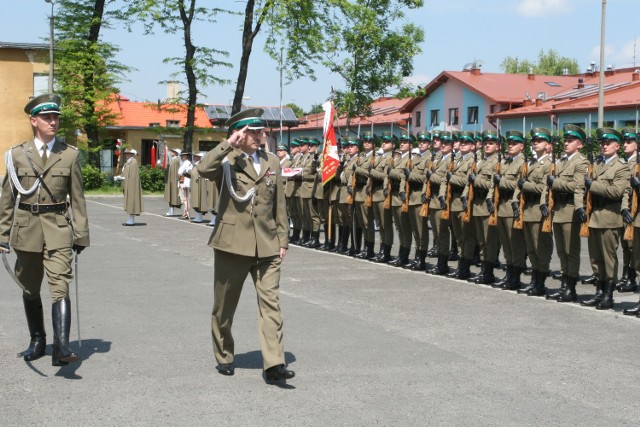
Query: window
x,y
492,108
418,119
435,119
154,124
173,123
472,115
453,116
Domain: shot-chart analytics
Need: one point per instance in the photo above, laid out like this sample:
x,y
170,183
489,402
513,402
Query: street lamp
x,y
53,2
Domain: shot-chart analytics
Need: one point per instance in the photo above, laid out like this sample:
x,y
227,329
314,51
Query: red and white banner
x,y
330,160
287,172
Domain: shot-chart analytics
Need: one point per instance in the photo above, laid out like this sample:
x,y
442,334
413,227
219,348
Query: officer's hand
x,y
544,209
237,136
521,183
4,247
78,248
587,182
490,207
465,202
353,168
406,172
472,177
581,215
443,203
423,198
496,179
449,175
349,189
550,180
626,216
402,196
385,192
429,173
516,210
635,182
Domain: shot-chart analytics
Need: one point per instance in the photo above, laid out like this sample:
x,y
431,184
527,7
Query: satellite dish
x,y
478,64
467,66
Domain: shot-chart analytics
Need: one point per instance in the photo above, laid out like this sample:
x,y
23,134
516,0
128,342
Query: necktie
x,y
44,154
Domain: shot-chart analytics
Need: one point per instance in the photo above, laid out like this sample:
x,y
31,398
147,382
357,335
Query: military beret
x,y
446,136
608,134
423,135
573,131
44,104
629,133
251,117
540,133
489,135
467,136
515,136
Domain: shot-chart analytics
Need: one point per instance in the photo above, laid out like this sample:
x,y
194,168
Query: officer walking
x,y
131,187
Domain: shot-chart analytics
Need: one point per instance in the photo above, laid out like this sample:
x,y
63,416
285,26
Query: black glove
x,y
423,198
550,180
490,206
369,167
429,173
465,202
78,248
581,215
385,192
635,182
402,196
521,183
443,203
349,189
626,216
544,209
516,210
449,174
406,172
496,179
5,247
587,182
472,178
353,168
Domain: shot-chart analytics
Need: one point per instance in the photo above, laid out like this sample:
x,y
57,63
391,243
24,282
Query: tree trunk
x,y
187,19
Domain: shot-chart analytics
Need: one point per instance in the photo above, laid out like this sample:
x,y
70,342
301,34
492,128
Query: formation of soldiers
x,y
479,194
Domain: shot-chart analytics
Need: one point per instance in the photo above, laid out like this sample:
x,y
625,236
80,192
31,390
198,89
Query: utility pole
x,y
51,45
602,42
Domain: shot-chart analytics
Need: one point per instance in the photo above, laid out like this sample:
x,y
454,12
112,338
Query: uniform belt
x,y
560,197
531,198
600,202
38,208
480,193
416,186
505,194
395,186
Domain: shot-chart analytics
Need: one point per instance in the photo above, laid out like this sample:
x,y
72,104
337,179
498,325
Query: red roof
x,y
383,111
142,114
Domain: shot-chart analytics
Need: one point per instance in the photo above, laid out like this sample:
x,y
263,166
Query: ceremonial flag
x,y
330,160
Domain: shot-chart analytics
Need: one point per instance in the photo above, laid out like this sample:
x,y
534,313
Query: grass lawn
x,y
113,190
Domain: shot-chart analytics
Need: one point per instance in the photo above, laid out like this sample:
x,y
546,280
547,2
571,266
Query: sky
x,y
457,32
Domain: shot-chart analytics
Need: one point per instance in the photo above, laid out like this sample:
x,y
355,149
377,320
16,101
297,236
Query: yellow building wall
x,y
17,67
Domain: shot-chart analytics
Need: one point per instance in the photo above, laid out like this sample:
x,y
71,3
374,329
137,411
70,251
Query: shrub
x,y
152,179
92,178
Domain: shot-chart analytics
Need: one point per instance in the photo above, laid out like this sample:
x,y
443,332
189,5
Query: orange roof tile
x,y
141,114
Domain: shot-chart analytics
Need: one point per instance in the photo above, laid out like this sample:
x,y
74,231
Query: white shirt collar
x,y
39,144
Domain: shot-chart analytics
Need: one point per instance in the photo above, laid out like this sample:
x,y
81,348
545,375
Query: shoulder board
x,y
623,161
17,145
582,157
69,146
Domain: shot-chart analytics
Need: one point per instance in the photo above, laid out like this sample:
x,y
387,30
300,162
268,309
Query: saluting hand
x,y
238,136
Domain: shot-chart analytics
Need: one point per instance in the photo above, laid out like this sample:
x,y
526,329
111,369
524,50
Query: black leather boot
x,y
411,262
625,277
453,253
329,242
539,288
487,277
295,236
420,265
607,301
338,246
314,242
631,285
464,269
563,285
569,294
531,285
442,267
61,316
506,279
632,311
402,258
306,236
599,296
367,252
35,322
343,247
379,254
591,280
433,252
514,283
356,243
386,255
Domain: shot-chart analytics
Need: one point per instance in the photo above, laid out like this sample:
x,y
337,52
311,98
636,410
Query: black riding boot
x,y
607,301
306,237
35,322
464,267
295,236
569,294
598,297
563,286
539,289
411,262
591,280
453,254
356,243
402,258
514,283
420,264
631,285
385,256
367,252
632,311
531,285
61,316
329,242
442,267
343,247
507,278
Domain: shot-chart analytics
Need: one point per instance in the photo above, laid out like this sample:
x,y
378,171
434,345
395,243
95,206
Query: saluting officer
x,y
398,177
417,178
379,175
568,210
482,180
364,164
510,238
539,245
607,187
42,173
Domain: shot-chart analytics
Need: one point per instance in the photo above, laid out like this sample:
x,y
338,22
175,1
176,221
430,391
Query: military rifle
x,y
466,216
628,229
407,188
584,227
547,223
424,211
368,201
518,224
387,200
446,213
353,183
493,217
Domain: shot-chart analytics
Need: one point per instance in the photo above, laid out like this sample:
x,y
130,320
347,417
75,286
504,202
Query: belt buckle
x,y
34,208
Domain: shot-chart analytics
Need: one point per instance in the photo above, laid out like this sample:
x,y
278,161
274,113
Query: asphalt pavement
x,y
371,344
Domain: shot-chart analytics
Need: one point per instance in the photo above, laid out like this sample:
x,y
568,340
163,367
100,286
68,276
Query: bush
x,y
92,178
152,179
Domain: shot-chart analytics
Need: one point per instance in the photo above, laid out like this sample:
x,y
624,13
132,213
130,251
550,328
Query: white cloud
x,y
617,56
417,80
540,8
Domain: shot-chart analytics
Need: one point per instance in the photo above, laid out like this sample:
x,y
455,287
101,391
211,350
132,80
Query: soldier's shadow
x,y
89,348
253,360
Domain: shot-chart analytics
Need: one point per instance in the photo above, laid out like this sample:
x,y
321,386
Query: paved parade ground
x,y
370,344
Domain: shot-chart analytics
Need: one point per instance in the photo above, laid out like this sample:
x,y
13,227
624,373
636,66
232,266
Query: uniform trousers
x,y
636,249
384,218
31,266
539,246
603,246
511,240
567,238
403,226
365,219
464,235
230,272
343,218
310,216
296,213
627,250
418,227
487,238
443,239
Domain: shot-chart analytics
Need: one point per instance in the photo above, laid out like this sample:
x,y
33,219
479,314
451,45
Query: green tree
x,y
179,16
296,110
548,64
315,109
86,73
